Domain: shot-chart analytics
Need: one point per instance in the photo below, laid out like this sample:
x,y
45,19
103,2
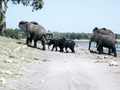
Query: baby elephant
x,y
57,43
69,44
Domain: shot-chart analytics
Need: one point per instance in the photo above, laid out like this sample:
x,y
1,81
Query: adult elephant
x,y
104,41
34,31
103,31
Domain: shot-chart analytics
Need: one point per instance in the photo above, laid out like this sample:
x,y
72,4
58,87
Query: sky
x,y
79,16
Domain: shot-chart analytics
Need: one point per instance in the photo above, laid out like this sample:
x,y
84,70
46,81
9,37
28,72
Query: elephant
x,y
34,31
57,43
104,41
69,44
103,31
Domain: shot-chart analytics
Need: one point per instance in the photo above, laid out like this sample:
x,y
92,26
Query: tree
x,y
0,23
36,4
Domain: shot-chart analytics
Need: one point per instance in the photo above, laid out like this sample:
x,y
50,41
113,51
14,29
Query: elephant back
x,y
103,31
34,22
106,32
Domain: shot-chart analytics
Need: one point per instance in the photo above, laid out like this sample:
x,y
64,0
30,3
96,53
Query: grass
x,y
118,40
81,40
19,54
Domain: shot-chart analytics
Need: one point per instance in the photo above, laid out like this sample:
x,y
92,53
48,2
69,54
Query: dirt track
x,y
70,71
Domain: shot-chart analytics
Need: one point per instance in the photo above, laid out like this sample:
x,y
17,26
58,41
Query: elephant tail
x,y
76,45
116,43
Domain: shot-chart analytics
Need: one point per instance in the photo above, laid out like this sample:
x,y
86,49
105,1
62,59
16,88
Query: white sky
x,y
69,15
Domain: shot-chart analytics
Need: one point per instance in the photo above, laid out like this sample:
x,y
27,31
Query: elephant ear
x,y
22,25
97,37
95,30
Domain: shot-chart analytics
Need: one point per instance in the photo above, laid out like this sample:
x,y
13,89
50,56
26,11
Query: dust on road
x,y
69,71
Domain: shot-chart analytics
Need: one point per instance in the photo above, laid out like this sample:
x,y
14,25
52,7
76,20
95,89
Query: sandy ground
x,y
82,70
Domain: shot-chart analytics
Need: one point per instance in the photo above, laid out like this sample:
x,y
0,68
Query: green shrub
x,y
12,33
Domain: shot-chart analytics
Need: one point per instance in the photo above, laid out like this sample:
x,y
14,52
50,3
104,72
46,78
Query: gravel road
x,y
70,71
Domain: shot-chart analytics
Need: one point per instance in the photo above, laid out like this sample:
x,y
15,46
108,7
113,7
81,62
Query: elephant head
x,y
94,38
22,25
95,30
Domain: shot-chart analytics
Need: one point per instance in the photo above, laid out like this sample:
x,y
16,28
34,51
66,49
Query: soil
x,y
82,70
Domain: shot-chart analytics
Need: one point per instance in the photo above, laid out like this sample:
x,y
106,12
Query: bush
x,y
12,33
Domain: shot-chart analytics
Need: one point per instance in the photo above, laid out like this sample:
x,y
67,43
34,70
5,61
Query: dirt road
x,y
70,71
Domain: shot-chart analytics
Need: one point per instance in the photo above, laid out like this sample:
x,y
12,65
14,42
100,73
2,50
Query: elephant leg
x,y
100,49
56,48
35,43
73,51
109,52
43,43
66,49
53,47
61,49
114,50
28,41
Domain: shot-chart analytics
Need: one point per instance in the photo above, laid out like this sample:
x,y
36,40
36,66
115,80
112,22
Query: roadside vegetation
x,y
15,57
19,34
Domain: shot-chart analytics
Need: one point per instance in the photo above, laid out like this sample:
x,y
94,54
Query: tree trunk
x,y
3,12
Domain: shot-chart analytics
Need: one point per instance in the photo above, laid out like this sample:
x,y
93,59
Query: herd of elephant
x,y
103,37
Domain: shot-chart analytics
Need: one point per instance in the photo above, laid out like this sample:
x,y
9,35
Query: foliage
x,y
21,33
72,35
36,4
12,33
17,34
117,36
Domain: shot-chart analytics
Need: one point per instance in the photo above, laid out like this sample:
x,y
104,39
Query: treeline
x,y
58,35
19,34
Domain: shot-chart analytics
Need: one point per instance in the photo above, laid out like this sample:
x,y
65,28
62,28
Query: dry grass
x,y
20,55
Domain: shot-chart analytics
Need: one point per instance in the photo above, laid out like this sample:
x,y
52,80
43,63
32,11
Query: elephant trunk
x,y
89,45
